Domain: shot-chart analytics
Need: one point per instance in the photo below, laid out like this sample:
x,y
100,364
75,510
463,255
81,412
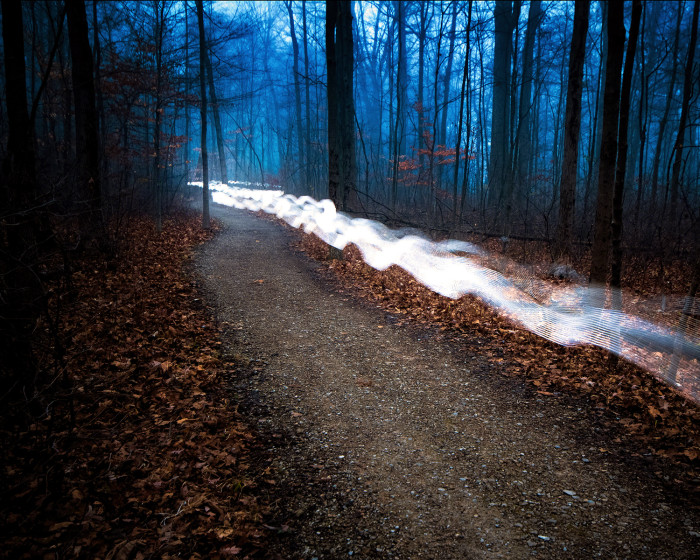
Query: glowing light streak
x,y
565,317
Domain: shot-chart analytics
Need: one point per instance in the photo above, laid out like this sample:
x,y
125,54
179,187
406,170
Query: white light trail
x,y
566,316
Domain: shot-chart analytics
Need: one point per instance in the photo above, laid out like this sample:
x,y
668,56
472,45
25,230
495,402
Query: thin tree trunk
x,y
98,95
592,182
525,109
335,185
667,109
500,125
217,119
19,291
402,101
399,130
618,194
307,106
420,117
446,89
455,178
347,104
86,136
157,181
206,221
687,93
186,95
600,253
297,88
569,171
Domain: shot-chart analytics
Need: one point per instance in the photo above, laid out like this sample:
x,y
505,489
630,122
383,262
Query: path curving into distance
x,y
571,315
392,442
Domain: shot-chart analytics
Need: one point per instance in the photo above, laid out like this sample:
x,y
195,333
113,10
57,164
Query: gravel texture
x,y
397,442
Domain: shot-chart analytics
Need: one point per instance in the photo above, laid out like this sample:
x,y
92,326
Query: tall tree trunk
x,y
341,110
157,179
420,117
572,127
616,278
310,160
687,93
515,67
446,88
217,119
335,185
19,290
98,96
399,139
458,143
297,90
206,222
402,102
667,109
600,253
500,121
525,109
186,95
646,69
597,136
434,206
86,125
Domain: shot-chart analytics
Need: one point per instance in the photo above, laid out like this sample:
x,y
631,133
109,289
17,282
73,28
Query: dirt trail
x,y
393,442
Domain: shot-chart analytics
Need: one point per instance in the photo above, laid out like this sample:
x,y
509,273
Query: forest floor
x,y
249,399
401,426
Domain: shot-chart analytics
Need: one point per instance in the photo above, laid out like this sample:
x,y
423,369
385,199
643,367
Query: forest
x,y
562,135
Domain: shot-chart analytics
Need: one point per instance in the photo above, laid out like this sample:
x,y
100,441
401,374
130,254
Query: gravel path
x,y
393,442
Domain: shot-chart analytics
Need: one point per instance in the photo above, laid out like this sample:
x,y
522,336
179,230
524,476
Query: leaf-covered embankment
x,y
136,451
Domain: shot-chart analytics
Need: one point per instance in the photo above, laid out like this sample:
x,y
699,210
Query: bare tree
x,y
600,253
86,124
687,93
297,87
18,287
572,127
499,164
616,279
342,169
525,108
206,222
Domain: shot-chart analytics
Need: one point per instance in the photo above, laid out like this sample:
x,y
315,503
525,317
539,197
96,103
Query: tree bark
x,y
420,117
341,110
310,161
667,109
500,121
86,124
687,93
600,252
446,88
399,139
525,108
402,90
618,194
217,119
19,289
463,93
572,127
206,221
297,88
99,100
335,185
597,134
157,179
